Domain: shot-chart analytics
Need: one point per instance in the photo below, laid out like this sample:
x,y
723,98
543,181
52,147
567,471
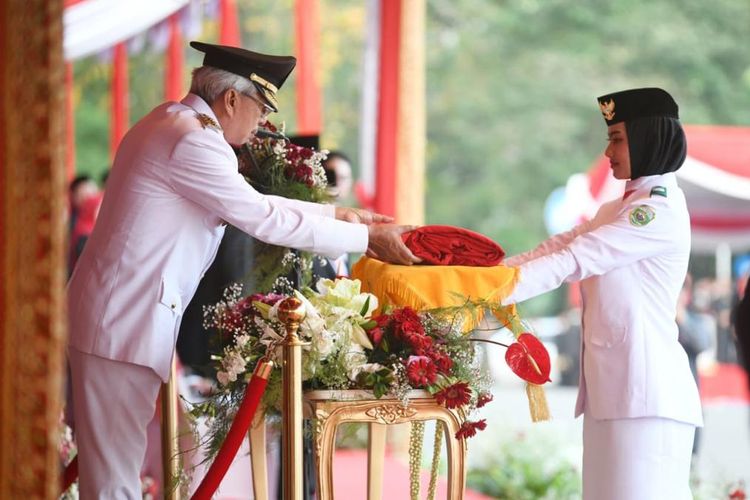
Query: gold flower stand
x,y
329,409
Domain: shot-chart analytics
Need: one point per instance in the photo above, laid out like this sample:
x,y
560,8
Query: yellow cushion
x,y
429,287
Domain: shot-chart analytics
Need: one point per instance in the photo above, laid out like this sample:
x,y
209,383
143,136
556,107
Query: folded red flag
x,y
453,246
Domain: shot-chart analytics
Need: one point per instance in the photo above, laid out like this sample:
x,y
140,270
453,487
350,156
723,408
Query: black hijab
x,y
657,145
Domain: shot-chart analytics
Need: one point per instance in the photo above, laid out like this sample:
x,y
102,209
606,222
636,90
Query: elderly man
x,y
173,185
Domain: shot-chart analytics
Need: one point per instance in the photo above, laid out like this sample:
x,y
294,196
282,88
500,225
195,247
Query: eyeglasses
x,y
265,109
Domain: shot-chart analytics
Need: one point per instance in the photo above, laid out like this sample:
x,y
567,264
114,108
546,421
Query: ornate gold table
x,y
329,409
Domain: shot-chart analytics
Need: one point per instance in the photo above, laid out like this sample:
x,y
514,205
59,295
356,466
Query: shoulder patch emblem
x,y
641,215
658,191
207,121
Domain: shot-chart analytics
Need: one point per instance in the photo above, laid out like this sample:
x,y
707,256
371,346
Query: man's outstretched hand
x,y
361,216
385,244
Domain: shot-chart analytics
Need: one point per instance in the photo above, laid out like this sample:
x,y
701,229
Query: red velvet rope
x,y
234,438
228,451
70,474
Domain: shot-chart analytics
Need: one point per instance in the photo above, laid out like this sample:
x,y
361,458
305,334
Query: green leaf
x,y
367,325
365,307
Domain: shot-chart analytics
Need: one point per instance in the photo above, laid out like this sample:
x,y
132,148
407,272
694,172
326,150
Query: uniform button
x,y
173,306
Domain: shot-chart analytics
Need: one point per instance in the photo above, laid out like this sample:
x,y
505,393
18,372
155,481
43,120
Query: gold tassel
x,y
537,403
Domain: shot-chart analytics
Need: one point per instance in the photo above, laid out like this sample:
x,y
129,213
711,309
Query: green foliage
x,y
511,108
380,381
527,468
92,138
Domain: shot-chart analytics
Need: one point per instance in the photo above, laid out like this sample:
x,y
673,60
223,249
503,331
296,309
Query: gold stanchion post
x,y
291,313
169,444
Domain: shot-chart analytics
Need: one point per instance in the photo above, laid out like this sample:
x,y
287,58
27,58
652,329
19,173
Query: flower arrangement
x,y
67,450
347,348
275,166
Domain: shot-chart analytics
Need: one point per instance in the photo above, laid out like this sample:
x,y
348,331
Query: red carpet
x,y
724,383
350,478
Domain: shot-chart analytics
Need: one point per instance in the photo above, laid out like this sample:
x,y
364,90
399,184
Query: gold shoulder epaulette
x,y
207,121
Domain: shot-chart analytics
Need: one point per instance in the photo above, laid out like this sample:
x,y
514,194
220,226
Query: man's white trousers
x,y
636,459
113,403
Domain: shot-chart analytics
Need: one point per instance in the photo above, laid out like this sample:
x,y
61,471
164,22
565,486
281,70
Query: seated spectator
x,y
338,169
80,188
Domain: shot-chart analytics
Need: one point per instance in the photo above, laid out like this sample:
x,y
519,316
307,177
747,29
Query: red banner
x,y
70,123
307,24
229,31
175,61
120,102
386,156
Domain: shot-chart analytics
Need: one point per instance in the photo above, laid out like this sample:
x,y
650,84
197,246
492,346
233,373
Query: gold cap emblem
x,y
608,109
269,89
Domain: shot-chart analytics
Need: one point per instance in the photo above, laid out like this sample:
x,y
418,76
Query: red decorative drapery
x,y
229,30
307,24
388,103
175,61
120,102
70,131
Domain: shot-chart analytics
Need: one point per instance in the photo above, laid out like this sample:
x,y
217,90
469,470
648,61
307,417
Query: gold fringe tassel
x,y
537,403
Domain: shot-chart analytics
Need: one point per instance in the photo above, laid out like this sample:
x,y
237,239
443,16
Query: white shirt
x,y
631,260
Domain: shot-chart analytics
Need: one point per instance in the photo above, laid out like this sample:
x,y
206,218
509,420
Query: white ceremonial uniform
x,y
173,184
631,260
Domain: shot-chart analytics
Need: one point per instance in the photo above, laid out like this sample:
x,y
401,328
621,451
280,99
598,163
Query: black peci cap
x,y
267,72
637,103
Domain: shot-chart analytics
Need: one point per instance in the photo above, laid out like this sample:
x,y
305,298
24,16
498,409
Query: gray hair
x,y
209,82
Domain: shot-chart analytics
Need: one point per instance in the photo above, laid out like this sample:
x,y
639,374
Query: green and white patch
x,y
641,215
658,191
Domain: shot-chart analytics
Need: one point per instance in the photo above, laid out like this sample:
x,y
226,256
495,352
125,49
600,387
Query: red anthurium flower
x,y
454,395
421,371
528,359
469,429
738,494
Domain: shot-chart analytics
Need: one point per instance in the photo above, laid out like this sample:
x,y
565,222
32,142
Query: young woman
x,y
637,395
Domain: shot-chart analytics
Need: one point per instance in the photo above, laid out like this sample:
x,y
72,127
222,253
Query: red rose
x,y
376,335
232,320
442,361
245,306
419,343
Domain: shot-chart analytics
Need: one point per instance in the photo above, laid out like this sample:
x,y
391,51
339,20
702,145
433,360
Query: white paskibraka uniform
x,y
639,400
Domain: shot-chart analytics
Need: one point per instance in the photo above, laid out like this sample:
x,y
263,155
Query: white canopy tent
x,y
716,182
91,26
